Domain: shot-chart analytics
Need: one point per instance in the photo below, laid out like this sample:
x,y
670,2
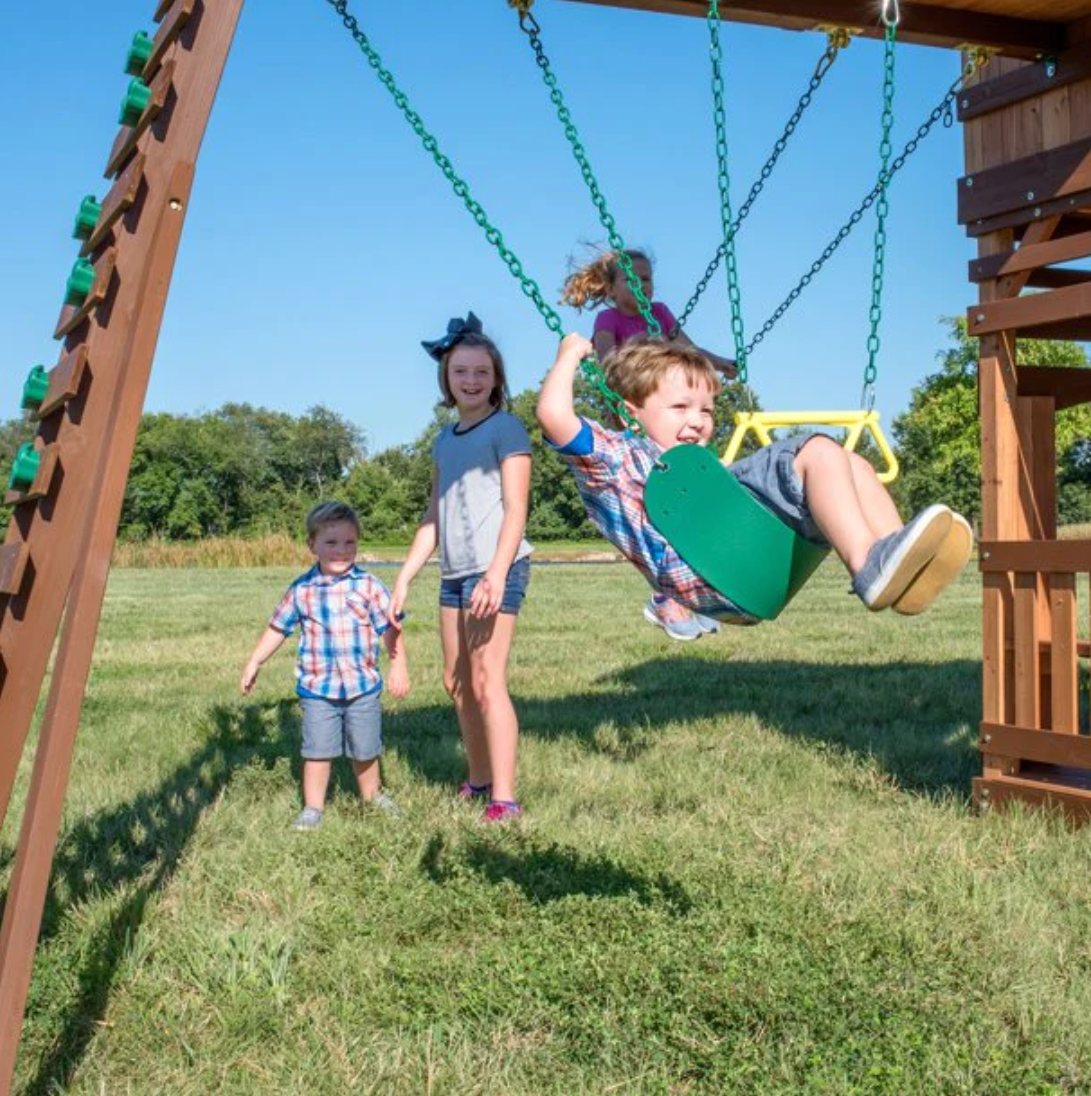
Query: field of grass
x,y
748,866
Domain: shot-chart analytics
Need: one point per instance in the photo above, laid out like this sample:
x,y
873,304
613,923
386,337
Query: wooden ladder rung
x,y
126,140
13,563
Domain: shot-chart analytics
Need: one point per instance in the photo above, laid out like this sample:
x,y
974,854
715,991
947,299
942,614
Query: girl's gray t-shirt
x,y
471,503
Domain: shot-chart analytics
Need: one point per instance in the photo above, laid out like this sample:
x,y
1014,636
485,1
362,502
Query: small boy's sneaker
x,y
466,790
385,803
709,625
676,620
310,818
896,560
500,810
946,565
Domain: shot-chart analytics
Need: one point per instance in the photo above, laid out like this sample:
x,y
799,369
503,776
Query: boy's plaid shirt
x,y
611,469
340,620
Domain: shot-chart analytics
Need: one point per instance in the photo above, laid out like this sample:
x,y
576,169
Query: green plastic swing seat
x,y
736,544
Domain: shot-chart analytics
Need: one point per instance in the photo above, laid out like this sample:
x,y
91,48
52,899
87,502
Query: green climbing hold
x,y
79,283
24,468
86,218
35,388
136,99
139,51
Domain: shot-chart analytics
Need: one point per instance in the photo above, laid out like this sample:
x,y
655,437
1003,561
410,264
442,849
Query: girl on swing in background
x,y
603,280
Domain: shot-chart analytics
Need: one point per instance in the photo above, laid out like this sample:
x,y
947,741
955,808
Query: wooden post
x,y
69,537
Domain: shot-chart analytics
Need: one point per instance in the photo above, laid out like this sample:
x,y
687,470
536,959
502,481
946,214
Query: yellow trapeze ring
x,y
760,423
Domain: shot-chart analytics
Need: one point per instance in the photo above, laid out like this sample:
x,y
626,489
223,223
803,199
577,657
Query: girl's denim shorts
x,y
455,593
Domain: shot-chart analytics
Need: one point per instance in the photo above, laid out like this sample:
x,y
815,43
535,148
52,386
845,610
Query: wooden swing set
x,y
1025,197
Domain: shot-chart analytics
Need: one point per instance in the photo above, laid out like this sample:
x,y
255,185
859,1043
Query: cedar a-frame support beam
x,y
1028,165
56,556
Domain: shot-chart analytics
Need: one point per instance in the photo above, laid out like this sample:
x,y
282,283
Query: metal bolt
x,y
965,103
969,180
987,738
1037,211
175,204
979,318
984,793
985,555
1030,195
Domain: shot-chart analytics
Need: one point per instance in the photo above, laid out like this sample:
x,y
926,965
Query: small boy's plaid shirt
x,y
611,469
340,620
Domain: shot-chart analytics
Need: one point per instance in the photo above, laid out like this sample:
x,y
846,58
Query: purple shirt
x,y
624,328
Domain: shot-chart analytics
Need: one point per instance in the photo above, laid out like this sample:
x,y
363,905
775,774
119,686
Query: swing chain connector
x,y
975,58
839,37
867,397
521,6
891,16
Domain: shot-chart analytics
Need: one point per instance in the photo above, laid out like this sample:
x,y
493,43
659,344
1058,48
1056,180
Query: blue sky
x,y
322,244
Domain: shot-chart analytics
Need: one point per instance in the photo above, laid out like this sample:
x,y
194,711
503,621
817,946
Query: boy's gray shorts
x,y
332,728
770,475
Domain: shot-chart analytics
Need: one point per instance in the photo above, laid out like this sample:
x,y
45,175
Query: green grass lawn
x,y
748,865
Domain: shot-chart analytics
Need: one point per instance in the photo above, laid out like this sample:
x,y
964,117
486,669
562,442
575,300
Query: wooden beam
x,y
1025,183
1048,747
1068,387
1030,312
1066,249
1025,83
1072,209
999,791
924,24
1042,557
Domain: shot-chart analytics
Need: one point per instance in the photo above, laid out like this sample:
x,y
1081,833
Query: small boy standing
x,y
341,611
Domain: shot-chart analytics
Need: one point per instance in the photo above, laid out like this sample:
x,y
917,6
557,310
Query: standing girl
x,y
476,516
604,280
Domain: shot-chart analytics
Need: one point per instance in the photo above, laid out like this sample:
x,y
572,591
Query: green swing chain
x,y
529,25
530,287
875,312
720,118
838,40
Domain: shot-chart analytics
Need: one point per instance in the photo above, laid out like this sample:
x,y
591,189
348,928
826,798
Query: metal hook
x,y
891,15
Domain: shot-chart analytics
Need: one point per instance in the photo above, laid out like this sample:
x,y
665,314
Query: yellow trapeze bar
x,y
760,423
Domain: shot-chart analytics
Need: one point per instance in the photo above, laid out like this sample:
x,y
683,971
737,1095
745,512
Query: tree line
x,y
247,471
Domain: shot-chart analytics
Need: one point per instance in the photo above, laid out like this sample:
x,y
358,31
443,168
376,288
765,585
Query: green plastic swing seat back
x,y
734,542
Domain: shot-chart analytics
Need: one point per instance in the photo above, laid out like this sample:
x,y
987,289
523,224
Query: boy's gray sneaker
x,y
676,620
385,803
896,560
310,818
709,625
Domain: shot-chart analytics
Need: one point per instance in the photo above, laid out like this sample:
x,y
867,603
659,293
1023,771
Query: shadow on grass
x,y
916,720
551,873
135,848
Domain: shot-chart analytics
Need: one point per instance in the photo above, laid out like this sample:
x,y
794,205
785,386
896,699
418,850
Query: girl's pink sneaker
x,y
473,791
500,810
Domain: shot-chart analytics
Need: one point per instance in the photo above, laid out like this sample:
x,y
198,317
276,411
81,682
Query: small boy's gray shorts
x,y
335,728
770,475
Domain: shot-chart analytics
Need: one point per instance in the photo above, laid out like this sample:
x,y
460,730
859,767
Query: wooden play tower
x,y
1025,196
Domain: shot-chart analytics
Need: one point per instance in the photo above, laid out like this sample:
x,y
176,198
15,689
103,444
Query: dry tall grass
x,y
273,550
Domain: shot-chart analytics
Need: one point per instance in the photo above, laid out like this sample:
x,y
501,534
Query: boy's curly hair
x,y
590,285
637,368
